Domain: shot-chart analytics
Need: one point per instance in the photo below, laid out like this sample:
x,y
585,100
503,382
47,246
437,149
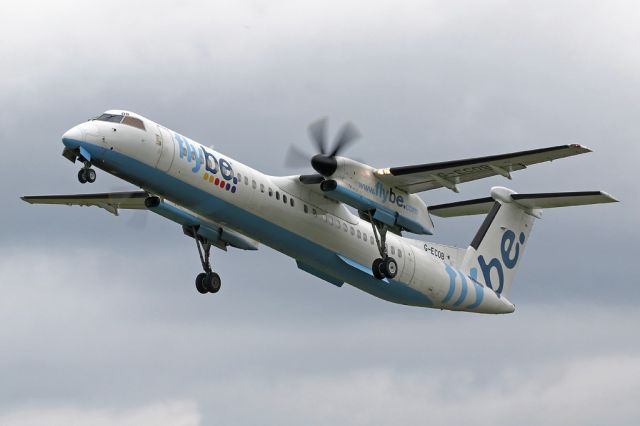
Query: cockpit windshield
x,y
124,119
114,118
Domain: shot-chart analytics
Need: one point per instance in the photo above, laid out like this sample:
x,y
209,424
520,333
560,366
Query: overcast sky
x,y
100,322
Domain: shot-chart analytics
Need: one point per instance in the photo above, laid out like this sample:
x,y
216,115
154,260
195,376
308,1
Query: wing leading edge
x,y
448,174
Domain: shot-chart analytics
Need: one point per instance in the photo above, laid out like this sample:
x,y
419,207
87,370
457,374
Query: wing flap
x,y
448,174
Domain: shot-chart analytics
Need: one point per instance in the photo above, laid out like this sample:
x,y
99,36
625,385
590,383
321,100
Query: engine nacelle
x,y
356,184
211,231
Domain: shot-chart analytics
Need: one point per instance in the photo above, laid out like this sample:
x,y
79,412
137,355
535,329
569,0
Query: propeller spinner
x,y
324,162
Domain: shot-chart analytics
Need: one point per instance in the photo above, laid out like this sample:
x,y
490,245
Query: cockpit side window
x,y
132,121
114,118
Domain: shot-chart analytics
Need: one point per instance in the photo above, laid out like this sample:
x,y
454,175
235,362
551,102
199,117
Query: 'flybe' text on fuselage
x,y
387,195
203,157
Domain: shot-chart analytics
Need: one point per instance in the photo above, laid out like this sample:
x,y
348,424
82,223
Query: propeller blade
x,y
296,158
137,218
348,133
318,134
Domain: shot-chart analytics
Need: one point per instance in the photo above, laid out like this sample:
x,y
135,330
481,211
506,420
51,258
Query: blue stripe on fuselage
x,y
276,237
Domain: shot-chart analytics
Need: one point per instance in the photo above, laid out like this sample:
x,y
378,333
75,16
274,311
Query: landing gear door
x,y
165,138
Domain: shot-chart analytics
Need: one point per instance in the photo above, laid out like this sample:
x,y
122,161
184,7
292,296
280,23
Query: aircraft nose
x,y
72,137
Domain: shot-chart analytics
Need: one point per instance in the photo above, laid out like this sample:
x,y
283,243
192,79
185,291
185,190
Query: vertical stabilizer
x,y
495,252
498,246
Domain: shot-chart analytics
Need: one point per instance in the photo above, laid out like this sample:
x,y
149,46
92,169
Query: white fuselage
x,y
321,234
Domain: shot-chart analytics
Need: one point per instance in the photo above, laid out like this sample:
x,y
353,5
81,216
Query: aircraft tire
x,y
377,269
390,267
90,175
212,282
82,177
200,283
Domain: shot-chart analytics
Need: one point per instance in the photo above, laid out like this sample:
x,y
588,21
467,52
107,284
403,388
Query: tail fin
x,y
496,250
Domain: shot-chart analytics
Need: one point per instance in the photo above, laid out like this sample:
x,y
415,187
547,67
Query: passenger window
x,y
359,234
371,239
353,231
134,122
330,220
270,192
291,201
253,183
239,177
306,209
284,198
393,250
314,212
344,227
399,253
364,237
261,187
277,195
246,181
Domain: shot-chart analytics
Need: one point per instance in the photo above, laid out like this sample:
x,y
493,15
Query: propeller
x,y
137,218
324,162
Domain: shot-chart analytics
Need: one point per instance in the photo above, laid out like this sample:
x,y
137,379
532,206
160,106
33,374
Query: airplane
x,y
342,224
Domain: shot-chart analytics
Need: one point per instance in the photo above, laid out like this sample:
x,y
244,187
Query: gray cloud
x,y
85,340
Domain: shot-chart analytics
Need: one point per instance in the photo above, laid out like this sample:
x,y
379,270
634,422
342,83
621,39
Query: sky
x,y
100,322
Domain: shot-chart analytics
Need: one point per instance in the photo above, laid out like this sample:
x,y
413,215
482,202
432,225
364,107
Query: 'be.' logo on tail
x,y
509,253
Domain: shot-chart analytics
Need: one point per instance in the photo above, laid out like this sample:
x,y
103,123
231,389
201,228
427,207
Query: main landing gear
x,y
207,281
384,266
87,174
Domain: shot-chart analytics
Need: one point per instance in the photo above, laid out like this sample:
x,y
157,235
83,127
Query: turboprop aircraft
x,y
220,202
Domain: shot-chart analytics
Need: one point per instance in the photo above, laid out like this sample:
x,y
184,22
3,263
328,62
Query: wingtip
x,y
582,148
611,198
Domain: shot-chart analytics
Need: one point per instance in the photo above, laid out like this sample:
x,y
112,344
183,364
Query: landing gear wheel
x,y
86,175
212,282
377,269
207,281
389,267
200,283
90,175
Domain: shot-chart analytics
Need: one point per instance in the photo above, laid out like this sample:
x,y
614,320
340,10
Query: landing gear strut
x,y
207,281
87,174
384,266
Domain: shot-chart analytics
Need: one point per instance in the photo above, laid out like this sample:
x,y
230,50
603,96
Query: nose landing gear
x,y
384,266
87,174
207,281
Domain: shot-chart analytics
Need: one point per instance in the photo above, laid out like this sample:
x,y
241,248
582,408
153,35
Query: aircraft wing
x,y
111,202
448,174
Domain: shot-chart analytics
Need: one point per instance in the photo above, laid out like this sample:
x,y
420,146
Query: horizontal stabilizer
x,y
545,200
463,208
562,199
